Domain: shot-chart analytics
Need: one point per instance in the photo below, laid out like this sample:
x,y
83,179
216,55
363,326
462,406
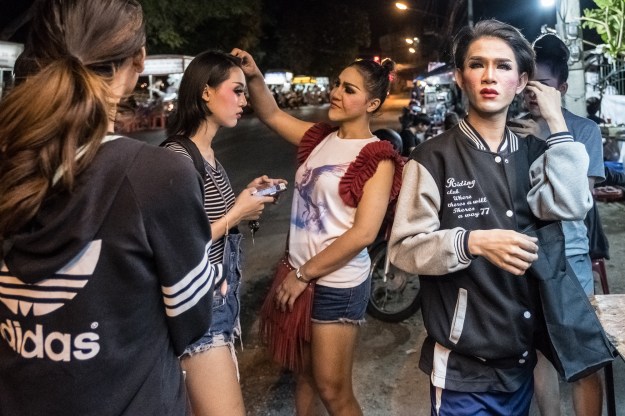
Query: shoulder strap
x,y
191,148
198,162
223,172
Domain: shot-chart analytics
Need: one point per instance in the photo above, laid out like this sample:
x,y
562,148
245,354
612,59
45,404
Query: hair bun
x,y
388,64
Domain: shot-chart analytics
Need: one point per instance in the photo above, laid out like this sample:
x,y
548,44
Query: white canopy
x,y
166,64
9,52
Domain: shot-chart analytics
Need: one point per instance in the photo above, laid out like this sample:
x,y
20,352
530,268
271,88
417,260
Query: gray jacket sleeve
x,y
559,181
417,245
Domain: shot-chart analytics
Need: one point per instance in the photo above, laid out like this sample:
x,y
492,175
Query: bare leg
x,y
546,387
332,350
306,396
212,383
588,395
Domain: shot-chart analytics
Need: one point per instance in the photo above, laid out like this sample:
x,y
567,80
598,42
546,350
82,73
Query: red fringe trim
x,y
285,333
363,168
311,139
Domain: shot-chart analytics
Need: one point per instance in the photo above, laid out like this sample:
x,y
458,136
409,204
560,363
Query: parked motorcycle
x,y
395,294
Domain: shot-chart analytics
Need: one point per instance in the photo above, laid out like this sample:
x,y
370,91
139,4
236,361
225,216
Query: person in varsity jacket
x,y
466,198
101,289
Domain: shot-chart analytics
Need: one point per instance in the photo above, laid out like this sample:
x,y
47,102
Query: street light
x,y
547,3
412,50
404,7
401,6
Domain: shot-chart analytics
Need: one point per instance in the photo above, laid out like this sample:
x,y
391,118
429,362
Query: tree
x,y
196,25
608,19
172,26
312,37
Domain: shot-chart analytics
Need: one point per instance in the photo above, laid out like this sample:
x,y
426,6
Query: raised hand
x,y
248,64
549,102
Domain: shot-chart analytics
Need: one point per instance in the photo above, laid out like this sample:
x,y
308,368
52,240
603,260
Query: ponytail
x,y
43,123
53,122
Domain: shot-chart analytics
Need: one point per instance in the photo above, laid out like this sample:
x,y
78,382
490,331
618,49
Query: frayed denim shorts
x,y
345,305
225,325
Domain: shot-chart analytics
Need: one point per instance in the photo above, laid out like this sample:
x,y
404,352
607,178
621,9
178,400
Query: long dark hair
x,y
208,68
64,103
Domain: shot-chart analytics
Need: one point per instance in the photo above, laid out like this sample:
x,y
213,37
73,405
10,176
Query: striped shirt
x,y
215,204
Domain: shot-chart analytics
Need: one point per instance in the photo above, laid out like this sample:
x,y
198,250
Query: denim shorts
x,y
346,305
582,266
225,324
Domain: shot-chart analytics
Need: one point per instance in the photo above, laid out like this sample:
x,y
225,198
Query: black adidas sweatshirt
x,y
103,290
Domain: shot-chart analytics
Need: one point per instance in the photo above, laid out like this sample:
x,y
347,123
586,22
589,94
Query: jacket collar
x,y
509,143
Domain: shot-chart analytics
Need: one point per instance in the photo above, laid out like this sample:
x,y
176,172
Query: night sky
x,y
385,18
527,15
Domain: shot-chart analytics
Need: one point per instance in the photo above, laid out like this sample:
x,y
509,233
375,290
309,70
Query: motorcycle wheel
x,y
398,297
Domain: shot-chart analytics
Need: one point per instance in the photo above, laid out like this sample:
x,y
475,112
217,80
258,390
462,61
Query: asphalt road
x,y
387,380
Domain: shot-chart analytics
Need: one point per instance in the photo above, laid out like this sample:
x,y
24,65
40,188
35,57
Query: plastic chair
x,y
157,121
598,266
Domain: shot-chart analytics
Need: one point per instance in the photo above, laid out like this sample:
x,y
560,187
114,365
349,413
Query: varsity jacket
x,y
480,319
104,289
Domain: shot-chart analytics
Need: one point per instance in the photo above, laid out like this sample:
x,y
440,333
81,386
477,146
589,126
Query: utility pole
x,y
568,26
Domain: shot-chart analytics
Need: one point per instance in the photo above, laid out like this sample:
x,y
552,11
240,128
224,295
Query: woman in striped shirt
x,y
211,96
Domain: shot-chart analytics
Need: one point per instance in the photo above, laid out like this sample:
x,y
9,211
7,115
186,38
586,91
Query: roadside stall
x,y
311,90
438,94
155,95
278,79
279,83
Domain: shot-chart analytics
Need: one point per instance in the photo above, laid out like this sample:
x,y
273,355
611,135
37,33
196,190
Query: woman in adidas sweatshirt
x,y
100,288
